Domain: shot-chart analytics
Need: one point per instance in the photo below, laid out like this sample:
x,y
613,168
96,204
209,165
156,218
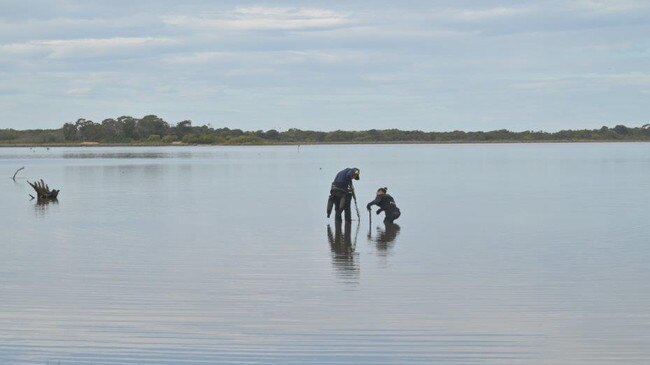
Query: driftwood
x,y
43,191
17,171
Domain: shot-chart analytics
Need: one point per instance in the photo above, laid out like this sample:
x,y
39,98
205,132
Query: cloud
x,y
200,58
628,79
85,47
607,7
542,17
584,82
265,18
79,91
473,15
463,56
270,57
546,85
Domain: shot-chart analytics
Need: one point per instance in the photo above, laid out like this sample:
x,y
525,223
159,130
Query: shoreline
x,y
43,145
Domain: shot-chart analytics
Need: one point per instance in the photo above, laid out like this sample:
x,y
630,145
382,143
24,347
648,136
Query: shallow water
x,y
504,254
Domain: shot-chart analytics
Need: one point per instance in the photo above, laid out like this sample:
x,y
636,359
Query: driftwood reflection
x,y
46,201
42,206
343,248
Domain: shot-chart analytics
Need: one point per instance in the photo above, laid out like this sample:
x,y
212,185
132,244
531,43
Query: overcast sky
x,y
325,65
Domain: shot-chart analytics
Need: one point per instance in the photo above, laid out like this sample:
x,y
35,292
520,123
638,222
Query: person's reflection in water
x,y
342,246
385,238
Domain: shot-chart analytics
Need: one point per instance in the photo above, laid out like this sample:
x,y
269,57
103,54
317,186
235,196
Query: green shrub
x,y
169,138
194,138
246,139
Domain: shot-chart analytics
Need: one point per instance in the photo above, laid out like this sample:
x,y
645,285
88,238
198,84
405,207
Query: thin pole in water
x,y
354,197
369,224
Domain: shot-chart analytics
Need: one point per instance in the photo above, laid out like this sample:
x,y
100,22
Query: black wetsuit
x,y
386,204
341,195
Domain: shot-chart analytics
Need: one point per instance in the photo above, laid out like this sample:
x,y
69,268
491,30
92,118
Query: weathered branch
x,y
43,191
22,168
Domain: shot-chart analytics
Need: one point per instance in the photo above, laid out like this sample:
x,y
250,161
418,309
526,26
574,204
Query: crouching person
x,y
386,204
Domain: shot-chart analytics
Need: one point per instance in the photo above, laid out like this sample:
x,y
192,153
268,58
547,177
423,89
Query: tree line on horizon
x,y
152,129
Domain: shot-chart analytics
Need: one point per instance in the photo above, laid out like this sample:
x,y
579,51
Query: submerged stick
x,y
22,168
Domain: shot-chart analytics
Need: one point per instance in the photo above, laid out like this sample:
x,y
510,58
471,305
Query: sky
x,y
327,65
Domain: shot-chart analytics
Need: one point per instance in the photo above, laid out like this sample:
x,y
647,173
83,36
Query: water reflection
x,y
384,239
343,249
42,206
140,264
120,155
82,154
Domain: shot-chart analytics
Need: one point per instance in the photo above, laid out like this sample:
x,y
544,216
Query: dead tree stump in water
x,y
43,191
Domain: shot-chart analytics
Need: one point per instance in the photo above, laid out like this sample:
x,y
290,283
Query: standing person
x,y
386,204
341,193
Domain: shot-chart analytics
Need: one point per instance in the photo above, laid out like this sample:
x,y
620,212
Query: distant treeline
x,y
154,130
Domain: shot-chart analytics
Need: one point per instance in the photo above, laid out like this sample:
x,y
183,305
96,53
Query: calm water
x,y
504,254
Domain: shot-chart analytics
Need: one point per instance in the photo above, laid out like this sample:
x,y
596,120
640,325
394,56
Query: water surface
x,y
504,254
